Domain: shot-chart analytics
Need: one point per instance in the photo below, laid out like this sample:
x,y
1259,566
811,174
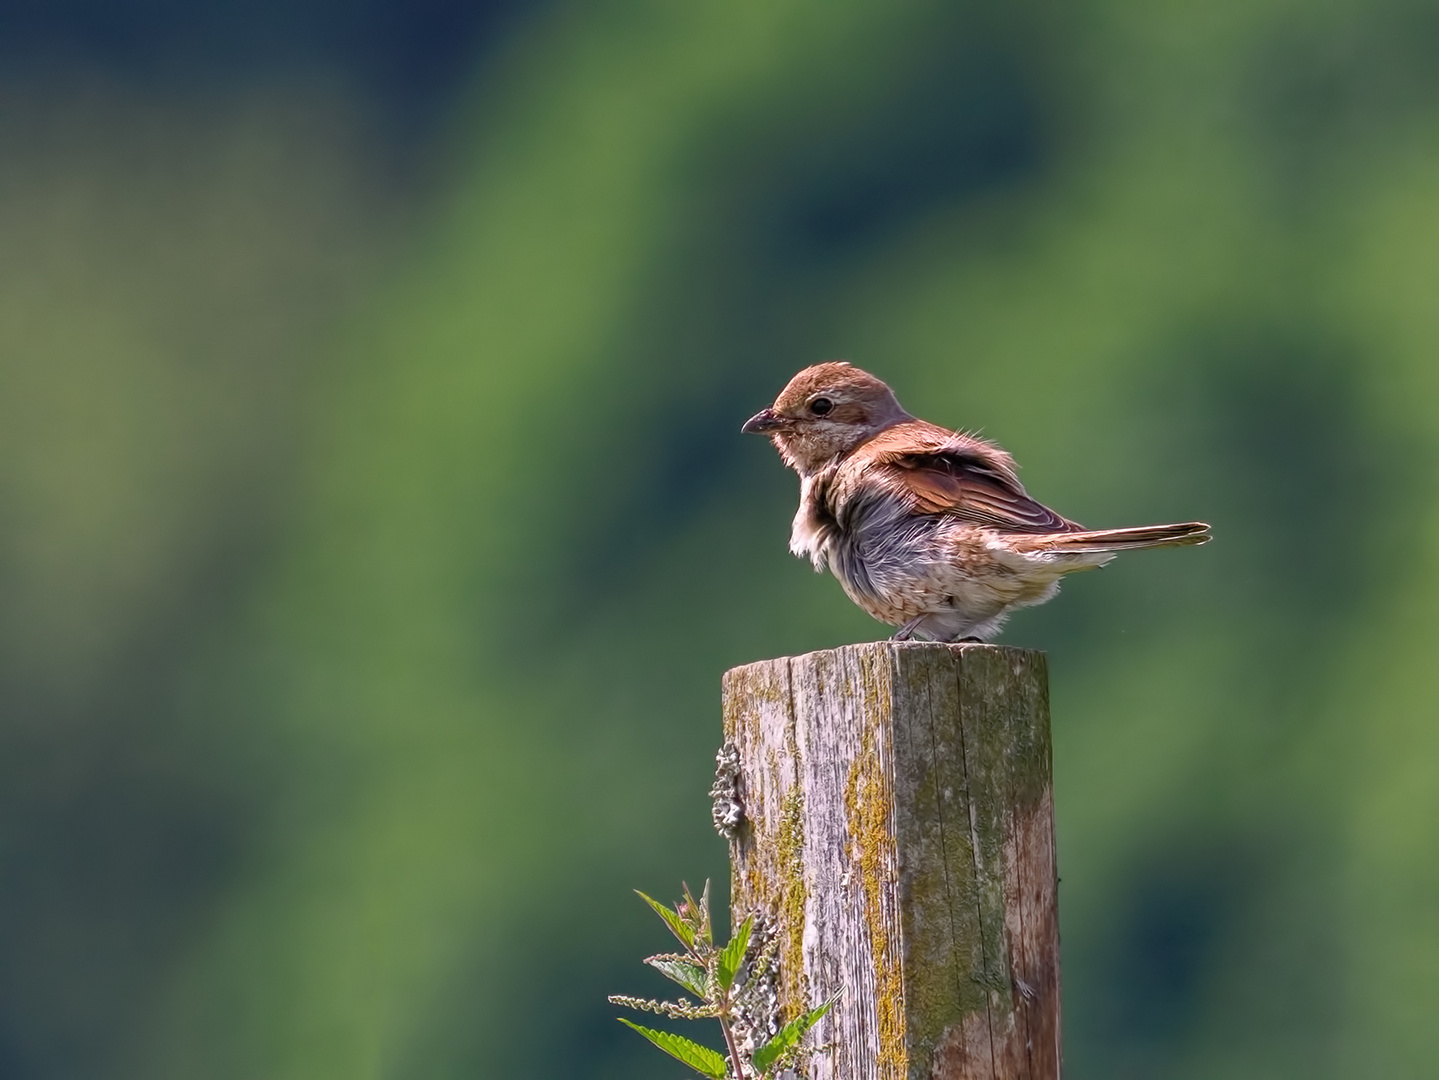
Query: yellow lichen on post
x,y
790,898
867,799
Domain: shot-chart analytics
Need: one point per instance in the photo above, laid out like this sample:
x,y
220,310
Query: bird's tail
x,y
1141,536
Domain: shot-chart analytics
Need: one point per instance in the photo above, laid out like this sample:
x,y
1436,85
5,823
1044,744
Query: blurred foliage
x,y
372,546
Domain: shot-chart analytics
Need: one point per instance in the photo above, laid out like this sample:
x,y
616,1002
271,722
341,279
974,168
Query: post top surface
x,y
894,648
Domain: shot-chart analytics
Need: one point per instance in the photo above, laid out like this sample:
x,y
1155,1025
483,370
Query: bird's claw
x,y
906,632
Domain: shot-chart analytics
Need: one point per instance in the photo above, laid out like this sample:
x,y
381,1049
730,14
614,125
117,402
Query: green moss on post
x,y
899,830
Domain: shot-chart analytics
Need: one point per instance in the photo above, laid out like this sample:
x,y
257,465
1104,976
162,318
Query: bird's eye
x,y
821,405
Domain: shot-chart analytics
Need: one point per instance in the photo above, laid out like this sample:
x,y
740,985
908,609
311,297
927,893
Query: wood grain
x,y
898,829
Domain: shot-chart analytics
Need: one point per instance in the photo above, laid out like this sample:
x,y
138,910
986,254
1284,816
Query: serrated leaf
x,y
699,912
690,976
701,1059
732,955
790,1035
672,920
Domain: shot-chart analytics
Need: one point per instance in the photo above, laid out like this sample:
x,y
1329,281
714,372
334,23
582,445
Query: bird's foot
x,y
906,632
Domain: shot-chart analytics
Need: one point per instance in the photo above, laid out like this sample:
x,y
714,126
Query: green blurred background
x,y
375,526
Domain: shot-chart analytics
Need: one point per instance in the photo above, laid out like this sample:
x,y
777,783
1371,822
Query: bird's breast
x,y
813,531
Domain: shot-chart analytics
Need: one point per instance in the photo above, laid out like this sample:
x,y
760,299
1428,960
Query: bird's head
x,y
825,412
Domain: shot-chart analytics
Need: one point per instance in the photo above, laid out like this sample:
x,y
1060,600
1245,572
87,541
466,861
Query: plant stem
x,y
733,1049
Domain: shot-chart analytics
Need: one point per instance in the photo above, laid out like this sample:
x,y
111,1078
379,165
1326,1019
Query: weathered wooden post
x,y
898,831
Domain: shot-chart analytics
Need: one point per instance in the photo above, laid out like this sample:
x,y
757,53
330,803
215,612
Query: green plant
x,y
730,982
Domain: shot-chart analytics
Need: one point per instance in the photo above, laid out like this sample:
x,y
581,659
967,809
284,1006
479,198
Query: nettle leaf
x,y
789,1036
699,913
732,955
701,1059
706,931
690,976
672,920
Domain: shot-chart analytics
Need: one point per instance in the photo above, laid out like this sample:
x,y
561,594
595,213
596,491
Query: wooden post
x,y
898,831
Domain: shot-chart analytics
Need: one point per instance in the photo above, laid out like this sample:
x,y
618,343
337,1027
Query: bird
x,y
927,529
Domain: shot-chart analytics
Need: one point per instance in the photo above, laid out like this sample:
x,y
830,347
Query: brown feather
x,y
1181,534
946,472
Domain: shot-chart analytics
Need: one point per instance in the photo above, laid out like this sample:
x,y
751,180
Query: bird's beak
x,y
763,422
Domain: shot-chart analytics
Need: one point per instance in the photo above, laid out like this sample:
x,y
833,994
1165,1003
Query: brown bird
x,y
927,529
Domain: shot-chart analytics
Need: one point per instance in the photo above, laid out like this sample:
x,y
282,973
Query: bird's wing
x,y
944,472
